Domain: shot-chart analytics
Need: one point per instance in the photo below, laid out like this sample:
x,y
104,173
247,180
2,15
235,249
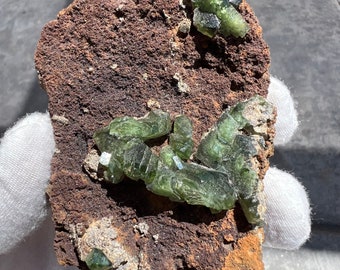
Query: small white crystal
x,y
178,162
105,158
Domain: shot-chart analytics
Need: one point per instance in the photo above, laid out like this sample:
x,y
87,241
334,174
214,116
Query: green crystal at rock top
x,y
96,260
206,23
227,156
218,16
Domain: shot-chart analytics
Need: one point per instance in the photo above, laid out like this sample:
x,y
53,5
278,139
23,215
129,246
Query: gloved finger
x,y
288,221
36,252
286,122
25,154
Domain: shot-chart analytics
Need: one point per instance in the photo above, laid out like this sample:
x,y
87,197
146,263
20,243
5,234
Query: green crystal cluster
x,y
224,170
219,16
97,260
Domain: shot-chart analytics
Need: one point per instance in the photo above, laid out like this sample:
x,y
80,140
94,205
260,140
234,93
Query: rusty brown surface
x,y
102,59
247,253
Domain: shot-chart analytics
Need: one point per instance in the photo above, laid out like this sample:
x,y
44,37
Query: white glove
x,y
288,222
25,154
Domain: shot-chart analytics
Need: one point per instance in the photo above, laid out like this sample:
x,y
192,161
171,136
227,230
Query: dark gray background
x,y
304,37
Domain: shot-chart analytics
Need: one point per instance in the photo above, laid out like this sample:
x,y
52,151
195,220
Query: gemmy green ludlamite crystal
x,y
232,145
96,260
227,169
181,139
219,16
155,124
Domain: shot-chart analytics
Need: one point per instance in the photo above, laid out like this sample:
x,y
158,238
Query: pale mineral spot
x,y
103,235
60,118
113,66
142,228
182,86
85,110
153,104
105,158
145,76
91,164
184,26
155,237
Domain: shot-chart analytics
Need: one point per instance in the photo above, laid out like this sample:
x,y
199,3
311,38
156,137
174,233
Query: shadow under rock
x,y
319,171
145,203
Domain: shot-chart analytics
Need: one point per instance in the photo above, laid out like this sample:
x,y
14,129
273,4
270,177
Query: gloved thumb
x,y
25,154
288,215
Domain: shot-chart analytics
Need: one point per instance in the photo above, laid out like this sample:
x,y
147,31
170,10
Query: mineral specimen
x,y
123,41
224,170
213,16
97,260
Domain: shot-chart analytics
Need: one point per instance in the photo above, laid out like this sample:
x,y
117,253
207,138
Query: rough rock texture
x,y
106,58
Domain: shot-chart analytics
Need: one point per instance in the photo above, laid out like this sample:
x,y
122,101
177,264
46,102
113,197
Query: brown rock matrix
x,y
102,59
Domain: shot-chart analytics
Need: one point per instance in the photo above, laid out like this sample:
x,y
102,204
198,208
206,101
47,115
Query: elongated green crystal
x,y
169,158
212,16
96,260
227,155
232,146
155,124
181,139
